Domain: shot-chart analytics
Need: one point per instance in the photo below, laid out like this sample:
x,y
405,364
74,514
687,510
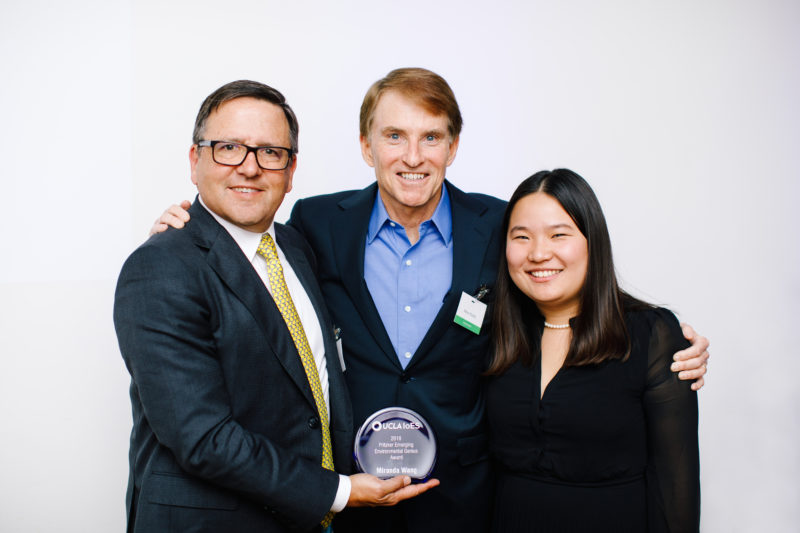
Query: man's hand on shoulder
x,y
692,363
370,491
175,215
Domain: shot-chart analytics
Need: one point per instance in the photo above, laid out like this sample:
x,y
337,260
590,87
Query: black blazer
x,y
443,379
226,435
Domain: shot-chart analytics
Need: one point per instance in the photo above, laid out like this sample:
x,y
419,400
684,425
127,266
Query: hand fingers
x,y
692,369
177,220
416,489
697,373
691,363
409,491
697,385
176,212
699,343
157,227
688,331
368,490
174,220
175,216
394,484
697,349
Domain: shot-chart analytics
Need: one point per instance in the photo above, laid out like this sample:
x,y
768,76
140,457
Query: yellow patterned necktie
x,y
280,293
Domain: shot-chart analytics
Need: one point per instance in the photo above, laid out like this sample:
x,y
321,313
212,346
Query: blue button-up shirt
x,y
408,282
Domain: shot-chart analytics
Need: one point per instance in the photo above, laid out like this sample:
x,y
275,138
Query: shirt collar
x,y
248,241
442,219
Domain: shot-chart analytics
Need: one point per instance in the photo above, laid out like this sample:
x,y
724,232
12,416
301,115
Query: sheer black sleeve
x,y
673,465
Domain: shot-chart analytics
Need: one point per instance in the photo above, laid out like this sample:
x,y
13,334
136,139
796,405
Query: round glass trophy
x,y
396,441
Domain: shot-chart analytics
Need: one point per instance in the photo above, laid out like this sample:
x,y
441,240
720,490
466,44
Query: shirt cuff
x,y
342,494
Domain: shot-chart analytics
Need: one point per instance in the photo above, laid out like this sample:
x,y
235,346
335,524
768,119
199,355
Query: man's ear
x,y
366,151
193,157
290,173
453,150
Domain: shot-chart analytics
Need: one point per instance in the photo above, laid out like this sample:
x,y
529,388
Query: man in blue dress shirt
x,y
394,261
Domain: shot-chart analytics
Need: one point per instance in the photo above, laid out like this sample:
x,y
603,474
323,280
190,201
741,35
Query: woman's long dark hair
x,y
598,332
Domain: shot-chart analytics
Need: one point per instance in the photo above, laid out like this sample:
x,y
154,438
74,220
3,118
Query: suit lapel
x,y
337,392
301,268
471,235
230,264
349,233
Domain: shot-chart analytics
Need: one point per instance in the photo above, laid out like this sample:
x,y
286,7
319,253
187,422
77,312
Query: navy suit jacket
x,y
443,379
226,434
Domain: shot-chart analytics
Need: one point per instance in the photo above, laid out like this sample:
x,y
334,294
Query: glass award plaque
x,y
396,441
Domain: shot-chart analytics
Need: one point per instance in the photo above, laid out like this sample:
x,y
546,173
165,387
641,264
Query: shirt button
x,y
407,309
392,224
408,262
408,355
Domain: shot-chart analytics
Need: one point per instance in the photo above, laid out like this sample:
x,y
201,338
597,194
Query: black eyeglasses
x,y
233,154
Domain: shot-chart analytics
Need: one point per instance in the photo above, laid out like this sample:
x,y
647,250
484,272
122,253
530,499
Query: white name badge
x,y
470,313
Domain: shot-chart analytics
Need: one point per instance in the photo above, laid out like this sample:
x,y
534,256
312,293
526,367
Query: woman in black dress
x,y
590,429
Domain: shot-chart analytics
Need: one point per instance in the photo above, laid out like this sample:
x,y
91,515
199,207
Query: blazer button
x,y
406,378
313,422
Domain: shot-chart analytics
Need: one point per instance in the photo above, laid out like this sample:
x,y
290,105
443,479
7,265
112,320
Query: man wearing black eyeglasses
x,y
241,417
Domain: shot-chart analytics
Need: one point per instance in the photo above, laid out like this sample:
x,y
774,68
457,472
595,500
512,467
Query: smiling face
x,y
410,149
547,255
245,195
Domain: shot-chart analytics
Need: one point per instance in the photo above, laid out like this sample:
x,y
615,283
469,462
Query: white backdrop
x,y
683,115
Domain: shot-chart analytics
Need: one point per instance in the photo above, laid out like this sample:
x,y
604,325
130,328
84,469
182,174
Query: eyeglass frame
x,y
253,149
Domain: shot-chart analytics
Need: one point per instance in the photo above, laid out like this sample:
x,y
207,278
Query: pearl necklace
x,y
555,326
